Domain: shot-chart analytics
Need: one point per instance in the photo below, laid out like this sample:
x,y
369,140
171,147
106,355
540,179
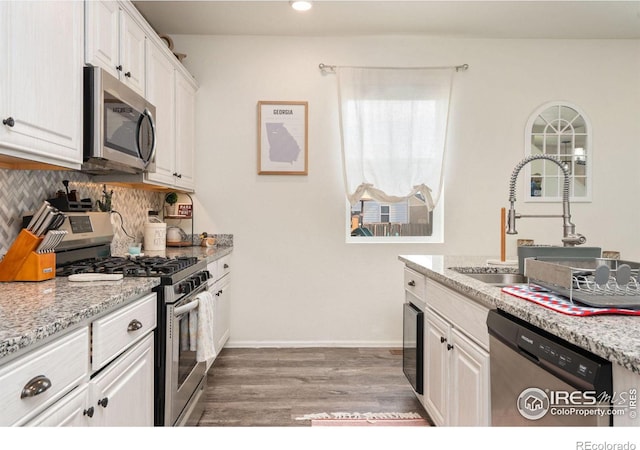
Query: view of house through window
x,y
406,218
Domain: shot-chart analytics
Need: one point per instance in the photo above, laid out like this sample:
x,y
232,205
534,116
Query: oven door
x,y
412,346
183,372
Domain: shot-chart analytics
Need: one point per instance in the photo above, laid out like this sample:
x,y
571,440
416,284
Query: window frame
x,y
437,237
587,155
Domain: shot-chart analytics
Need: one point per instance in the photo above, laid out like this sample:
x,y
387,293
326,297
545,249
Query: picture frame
x,y
283,138
184,209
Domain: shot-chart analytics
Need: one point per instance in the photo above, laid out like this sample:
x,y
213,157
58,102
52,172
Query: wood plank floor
x,y
273,386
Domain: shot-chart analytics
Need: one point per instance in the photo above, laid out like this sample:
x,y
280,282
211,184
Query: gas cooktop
x,y
142,266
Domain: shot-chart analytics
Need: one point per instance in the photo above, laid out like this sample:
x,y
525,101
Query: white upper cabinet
x,y
185,133
115,42
160,92
173,95
41,82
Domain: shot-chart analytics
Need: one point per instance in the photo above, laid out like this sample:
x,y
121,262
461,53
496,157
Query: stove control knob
x,y
196,281
184,287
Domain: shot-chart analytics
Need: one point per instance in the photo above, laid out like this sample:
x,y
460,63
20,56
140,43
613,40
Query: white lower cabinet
x,y
123,392
118,396
220,288
57,384
456,363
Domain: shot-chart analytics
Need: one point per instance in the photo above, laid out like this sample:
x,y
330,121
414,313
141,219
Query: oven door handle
x,y
180,310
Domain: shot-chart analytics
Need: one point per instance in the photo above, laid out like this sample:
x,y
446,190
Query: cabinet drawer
x,y
463,313
115,332
224,266
415,283
64,363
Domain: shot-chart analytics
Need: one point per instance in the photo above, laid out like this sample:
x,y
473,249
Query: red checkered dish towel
x,y
542,297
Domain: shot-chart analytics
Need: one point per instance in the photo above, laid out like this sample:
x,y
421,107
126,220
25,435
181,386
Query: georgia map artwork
x,y
282,146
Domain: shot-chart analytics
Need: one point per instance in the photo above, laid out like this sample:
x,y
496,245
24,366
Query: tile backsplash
x,y
25,190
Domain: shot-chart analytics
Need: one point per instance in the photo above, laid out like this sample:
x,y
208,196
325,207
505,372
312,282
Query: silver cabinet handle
x,y
35,386
134,325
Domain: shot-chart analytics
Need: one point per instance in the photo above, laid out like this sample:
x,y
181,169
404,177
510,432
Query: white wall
x,y
295,281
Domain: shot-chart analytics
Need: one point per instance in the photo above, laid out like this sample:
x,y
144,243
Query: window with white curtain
x,y
393,130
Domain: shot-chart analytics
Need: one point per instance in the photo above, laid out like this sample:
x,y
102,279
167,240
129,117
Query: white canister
x,y
155,236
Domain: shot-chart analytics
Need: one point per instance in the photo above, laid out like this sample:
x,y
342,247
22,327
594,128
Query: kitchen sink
x,y
498,279
502,278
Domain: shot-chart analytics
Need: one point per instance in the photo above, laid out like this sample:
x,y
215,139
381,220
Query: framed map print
x,y
282,138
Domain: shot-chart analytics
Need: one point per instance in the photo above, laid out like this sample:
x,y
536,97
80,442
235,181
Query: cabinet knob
x,y
449,347
226,266
179,175
127,74
411,283
9,122
175,174
103,402
134,325
443,339
119,68
88,412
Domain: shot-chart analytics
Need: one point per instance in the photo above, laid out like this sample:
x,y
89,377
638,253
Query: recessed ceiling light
x,y
299,5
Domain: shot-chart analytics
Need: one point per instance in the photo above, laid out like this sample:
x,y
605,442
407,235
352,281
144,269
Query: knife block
x,y
22,263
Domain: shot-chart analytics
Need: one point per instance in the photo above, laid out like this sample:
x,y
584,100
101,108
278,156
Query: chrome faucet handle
x,y
511,221
574,239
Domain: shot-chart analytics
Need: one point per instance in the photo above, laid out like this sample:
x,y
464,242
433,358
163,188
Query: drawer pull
x,y
134,325
449,347
88,412
226,266
103,402
443,339
35,386
411,283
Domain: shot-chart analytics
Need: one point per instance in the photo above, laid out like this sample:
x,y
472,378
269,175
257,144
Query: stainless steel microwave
x,y
119,129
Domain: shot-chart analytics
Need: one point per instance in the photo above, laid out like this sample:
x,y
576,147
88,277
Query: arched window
x,y
562,130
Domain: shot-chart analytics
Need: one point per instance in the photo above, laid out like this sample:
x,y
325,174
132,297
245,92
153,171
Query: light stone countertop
x,y
613,337
31,313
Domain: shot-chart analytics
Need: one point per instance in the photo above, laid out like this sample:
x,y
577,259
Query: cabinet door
x,y
102,47
132,49
72,411
222,312
470,384
436,368
160,92
122,394
41,81
185,132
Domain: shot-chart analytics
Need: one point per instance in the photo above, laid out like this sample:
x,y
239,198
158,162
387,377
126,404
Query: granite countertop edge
x,y
613,337
34,313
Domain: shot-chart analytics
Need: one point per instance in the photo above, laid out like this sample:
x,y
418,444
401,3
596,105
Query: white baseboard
x,y
309,344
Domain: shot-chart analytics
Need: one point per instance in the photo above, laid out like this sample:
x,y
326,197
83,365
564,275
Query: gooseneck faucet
x,y
569,236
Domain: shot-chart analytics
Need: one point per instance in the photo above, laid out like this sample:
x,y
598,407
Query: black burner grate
x,y
143,266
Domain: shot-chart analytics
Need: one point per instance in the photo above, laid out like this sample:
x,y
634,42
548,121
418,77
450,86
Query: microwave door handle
x,y
153,135
180,310
146,115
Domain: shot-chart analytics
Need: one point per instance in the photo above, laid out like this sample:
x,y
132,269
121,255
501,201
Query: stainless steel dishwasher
x,y
538,379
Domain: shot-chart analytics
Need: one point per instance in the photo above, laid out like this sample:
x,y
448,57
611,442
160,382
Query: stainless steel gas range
x,y
179,378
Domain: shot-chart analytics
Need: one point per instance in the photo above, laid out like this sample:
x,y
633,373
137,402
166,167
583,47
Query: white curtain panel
x,y
393,130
